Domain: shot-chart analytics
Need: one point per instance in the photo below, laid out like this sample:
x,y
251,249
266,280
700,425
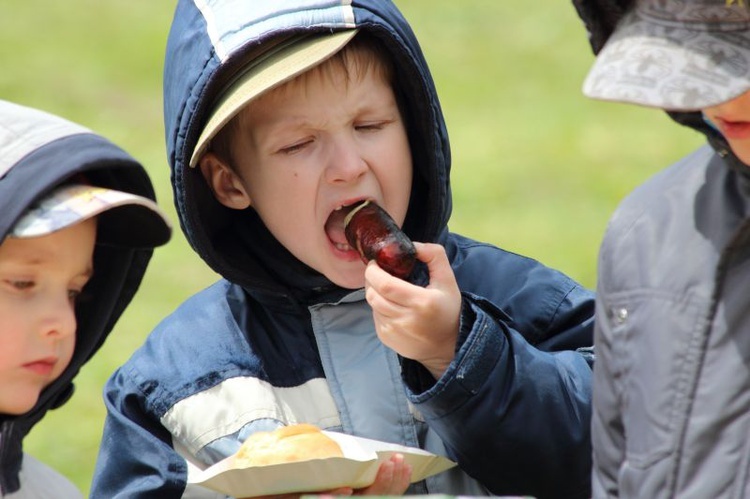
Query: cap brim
x,y
282,63
126,219
670,68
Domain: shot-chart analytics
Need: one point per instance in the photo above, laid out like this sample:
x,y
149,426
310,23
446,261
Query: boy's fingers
x,y
434,256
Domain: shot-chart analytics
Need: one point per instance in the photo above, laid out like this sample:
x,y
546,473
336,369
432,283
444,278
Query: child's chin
x,y
348,280
18,406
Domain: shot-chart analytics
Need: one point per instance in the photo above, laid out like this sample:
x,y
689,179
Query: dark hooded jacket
x,y
672,378
275,342
39,151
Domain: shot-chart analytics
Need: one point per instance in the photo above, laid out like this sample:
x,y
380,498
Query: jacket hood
x,y
600,17
207,44
37,152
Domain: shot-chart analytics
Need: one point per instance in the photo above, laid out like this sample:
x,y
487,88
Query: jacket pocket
x,y
657,338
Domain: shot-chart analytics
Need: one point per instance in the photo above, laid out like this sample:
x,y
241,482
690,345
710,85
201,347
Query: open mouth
x,y
335,226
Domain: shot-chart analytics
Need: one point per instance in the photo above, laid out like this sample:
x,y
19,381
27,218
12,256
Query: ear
x,y
224,182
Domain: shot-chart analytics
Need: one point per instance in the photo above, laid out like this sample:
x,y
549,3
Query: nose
x,y
345,161
60,320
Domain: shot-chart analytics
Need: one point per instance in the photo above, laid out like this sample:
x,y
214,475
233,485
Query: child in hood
x,y
282,116
672,381
78,224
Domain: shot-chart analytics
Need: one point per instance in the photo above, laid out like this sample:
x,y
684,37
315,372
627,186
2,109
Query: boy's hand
x,y
419,323
393,478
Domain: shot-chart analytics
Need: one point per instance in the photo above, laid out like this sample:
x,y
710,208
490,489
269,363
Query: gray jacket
x,y
672,330
672,333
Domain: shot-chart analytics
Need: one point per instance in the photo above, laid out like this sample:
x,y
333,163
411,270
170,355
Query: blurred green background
x,y
537,168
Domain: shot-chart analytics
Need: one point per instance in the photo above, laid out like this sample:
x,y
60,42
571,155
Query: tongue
x,y
335,227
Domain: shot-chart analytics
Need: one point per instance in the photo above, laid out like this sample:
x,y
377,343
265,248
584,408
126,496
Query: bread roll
x,y
287,444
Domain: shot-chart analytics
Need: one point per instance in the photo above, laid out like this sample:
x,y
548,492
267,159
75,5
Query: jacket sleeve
x,y
136,458
513,416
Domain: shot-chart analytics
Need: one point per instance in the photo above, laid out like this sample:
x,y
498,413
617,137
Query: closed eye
x,y
370,126
21,285
296,147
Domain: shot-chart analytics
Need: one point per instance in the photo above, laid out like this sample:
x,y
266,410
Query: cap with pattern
x,y
681,55
125,219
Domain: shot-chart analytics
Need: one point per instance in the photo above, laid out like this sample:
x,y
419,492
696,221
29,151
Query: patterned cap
x,y
126,219
681,55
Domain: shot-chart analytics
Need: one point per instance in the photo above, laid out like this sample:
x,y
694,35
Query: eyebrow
x,y
18,258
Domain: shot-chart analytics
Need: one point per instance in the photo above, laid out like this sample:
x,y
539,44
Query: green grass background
x,y
537,168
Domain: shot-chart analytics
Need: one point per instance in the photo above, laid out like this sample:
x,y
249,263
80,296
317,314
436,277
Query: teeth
x,y
342,247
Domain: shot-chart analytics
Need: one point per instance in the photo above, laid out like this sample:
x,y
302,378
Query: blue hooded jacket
x,y
39,151
274,342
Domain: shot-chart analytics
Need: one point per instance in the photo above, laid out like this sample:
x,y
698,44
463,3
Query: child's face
x,y
40,279
314,145
732,118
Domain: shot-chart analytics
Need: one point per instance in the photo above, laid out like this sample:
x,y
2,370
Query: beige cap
x,y
280,64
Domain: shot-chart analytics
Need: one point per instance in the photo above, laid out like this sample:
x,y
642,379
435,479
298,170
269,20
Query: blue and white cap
x,y
125,220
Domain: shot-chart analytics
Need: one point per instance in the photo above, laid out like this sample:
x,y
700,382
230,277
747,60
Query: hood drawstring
x,y
11,452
